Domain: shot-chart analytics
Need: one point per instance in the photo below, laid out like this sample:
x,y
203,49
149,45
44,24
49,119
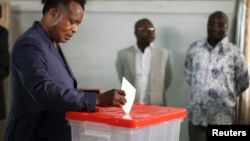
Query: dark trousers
x,y
197,132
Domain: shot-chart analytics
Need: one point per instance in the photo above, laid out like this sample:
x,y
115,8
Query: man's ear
x,y
226,26
53,12
135,33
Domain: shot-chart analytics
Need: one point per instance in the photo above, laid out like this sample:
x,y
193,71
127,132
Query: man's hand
x,y
112,97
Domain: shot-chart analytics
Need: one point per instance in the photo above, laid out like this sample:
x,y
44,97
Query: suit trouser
x,y
197,132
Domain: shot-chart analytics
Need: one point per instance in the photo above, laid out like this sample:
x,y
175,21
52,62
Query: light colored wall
x,y
108,27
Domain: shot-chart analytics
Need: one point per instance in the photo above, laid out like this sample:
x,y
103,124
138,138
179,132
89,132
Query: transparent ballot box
x,y
144,123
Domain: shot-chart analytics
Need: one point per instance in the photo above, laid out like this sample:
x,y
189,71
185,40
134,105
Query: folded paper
x,y
130,95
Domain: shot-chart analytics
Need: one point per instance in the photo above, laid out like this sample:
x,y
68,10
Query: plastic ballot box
x,y
144,123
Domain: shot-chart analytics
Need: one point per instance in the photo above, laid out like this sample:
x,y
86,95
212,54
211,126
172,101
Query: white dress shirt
x,y
143,68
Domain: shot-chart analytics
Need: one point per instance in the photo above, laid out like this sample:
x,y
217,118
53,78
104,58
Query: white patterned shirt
x,y
217,76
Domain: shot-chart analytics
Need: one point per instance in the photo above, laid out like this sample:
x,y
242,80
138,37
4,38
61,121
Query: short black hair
x,y
55,3
218,14
140,21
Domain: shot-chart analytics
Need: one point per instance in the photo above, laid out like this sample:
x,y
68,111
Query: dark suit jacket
x,y
43,89
4,67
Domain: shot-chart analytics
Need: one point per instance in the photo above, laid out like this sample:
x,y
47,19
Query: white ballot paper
x,y
130,95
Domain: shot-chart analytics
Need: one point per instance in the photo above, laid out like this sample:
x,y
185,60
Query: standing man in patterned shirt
x,y
217,73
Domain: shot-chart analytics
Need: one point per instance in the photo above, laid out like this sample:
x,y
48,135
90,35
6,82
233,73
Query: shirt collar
x,y
219,47
150,46
222,43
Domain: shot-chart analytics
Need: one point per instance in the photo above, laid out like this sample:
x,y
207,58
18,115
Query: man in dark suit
x,y
4,72
43,85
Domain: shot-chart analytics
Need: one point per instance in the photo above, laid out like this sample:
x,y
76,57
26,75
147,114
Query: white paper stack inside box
x,y
144,123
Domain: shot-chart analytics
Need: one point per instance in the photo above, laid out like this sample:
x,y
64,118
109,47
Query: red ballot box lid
x,y
140,115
